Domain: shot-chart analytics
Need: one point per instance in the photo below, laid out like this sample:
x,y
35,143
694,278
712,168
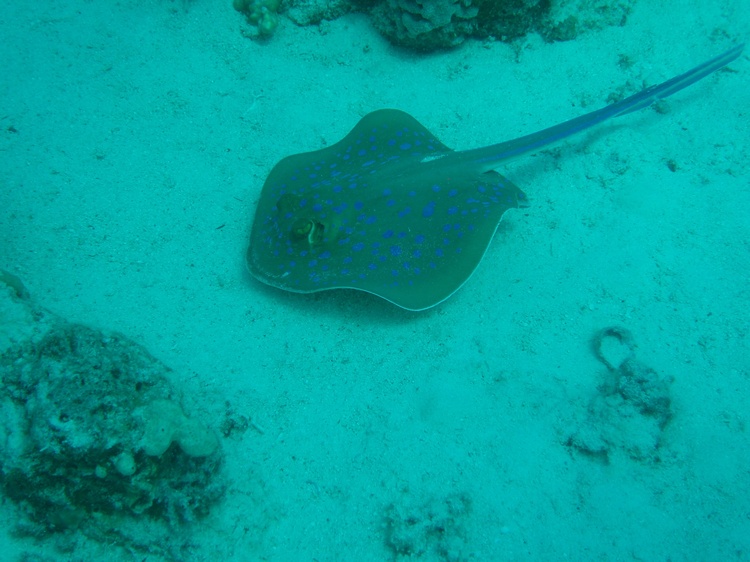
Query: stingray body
x,y
391,210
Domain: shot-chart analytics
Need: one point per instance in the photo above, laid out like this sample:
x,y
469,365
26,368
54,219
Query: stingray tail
x,y
489,157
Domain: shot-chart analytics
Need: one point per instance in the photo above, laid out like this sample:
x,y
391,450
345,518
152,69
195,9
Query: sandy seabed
x,y
136,137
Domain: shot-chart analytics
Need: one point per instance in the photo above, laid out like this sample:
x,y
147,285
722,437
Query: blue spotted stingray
x,y
391,210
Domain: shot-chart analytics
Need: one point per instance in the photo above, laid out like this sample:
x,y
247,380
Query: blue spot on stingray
x,y
405,146
419,239
387,234
403,212
428,210
395,250
359,246
358,205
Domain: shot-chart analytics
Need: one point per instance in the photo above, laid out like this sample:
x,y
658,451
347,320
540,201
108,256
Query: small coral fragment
x,y
195,440
263,14
164,423
125,464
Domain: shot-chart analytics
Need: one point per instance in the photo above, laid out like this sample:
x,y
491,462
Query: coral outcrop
x,y
92,434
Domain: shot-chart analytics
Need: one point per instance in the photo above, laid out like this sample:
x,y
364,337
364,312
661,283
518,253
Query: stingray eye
x,y
317,232
302,228
308,229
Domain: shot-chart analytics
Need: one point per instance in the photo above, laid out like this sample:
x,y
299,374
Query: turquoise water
x,y
135,140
